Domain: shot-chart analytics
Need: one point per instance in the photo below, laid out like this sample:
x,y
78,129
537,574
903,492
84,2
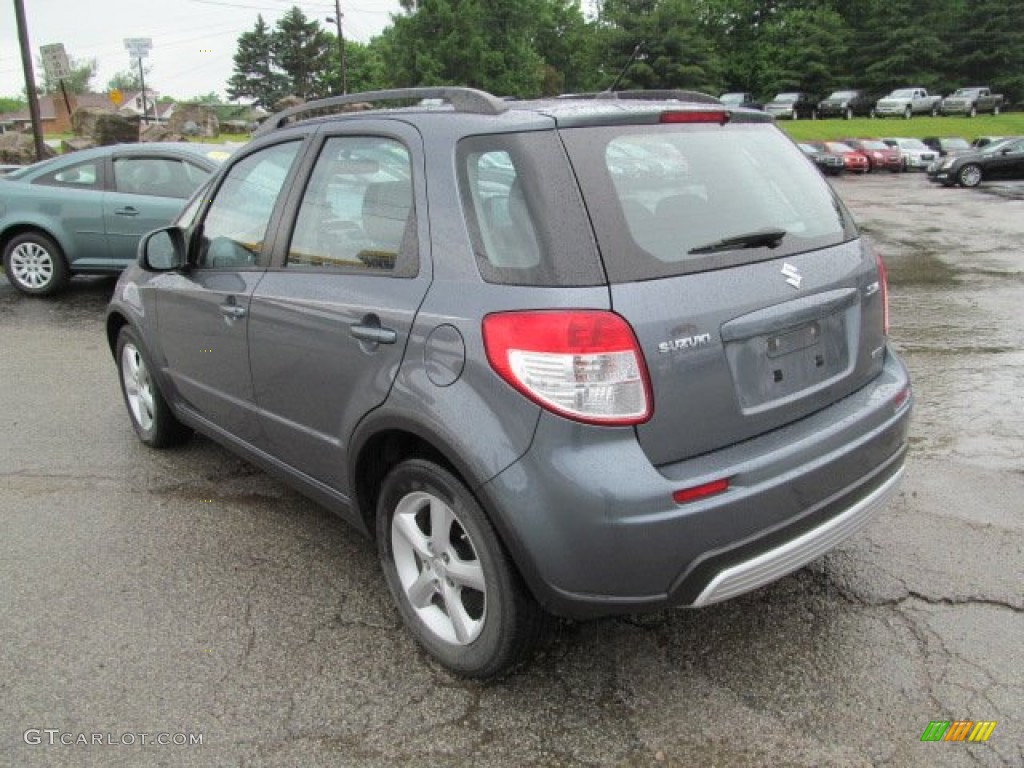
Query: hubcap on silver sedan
x,y
32,265
138,386
438,568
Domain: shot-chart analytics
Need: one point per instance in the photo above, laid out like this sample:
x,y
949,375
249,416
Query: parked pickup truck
x,y
971,101
907,102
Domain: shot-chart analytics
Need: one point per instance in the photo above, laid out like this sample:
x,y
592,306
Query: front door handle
x,y
127,211
374,334
233,310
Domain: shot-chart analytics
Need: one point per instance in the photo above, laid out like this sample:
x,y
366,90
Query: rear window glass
x,y
526,221
664,198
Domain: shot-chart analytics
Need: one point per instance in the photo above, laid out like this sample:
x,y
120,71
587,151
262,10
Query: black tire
x,y
872,114
908,113
970,175
972,112
150,415
796,115
505,624
35,264
995,110
848,114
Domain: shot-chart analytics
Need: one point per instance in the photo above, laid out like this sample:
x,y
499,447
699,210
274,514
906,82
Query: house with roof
x,y
55,110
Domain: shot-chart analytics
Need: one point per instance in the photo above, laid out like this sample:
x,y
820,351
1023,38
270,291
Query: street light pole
x,y
341,44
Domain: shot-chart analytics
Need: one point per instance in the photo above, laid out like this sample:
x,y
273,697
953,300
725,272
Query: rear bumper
x,y
594,530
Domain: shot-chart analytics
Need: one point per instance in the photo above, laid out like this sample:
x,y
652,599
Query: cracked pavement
x,y
186,591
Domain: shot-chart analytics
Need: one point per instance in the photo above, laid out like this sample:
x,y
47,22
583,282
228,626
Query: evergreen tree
x,y
802,50
302,50
890,56
677,51
255,76
990,48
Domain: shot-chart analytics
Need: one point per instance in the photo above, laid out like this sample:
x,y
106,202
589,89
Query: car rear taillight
x,y
702,116
585,365
883,282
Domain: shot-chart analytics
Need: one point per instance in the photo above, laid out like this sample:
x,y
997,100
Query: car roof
x,y
481,109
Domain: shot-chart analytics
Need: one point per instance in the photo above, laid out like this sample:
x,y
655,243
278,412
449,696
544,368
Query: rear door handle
x,y
232,310
374,334
127,211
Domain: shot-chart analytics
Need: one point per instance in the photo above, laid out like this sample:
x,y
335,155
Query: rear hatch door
x,y
752,297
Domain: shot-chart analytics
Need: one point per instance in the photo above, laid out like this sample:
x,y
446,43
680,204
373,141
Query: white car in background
x,y
915,153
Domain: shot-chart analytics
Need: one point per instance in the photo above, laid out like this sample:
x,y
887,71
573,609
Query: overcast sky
x,y
193,40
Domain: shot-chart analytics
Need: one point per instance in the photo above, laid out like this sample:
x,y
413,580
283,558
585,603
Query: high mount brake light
x,y
720,116
585,365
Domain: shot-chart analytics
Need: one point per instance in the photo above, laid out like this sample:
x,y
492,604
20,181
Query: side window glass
x,y
506,228
237,219
357,211
84,175
162,177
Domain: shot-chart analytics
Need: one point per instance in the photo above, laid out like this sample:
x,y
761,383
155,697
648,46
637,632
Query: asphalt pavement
x,y
184,596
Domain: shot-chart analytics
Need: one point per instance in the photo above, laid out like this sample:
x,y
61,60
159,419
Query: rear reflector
x,y
702,116
585,365
883,279
700,491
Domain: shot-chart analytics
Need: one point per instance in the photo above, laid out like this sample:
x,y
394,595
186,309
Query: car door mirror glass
x,y
163,250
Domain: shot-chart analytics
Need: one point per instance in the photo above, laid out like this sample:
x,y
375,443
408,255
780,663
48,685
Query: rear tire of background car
x,y
34,264
455,586
973,112
995,110
150,415
848,114
908,113
969,175
872,114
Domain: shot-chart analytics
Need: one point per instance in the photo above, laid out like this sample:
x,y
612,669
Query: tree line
x,y
528,48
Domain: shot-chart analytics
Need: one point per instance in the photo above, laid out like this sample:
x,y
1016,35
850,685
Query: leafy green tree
x,y
487,44
128,80
302,50
12,104
256,77
80,81
568,44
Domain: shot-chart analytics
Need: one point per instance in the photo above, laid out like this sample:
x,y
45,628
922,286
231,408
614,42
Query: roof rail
x,y
652,95
462,99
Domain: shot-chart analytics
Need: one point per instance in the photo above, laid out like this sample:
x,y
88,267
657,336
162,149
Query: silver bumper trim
x,y
786,558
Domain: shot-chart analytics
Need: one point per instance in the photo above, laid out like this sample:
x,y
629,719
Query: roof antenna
x,y
637,52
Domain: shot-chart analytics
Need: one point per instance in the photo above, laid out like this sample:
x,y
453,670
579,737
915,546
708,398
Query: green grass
x,y
1011,124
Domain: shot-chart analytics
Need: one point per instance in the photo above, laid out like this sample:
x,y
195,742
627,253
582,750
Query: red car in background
x,y
854,160
879,154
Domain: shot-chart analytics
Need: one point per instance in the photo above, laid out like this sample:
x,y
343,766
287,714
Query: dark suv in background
x,y
847,105
579,357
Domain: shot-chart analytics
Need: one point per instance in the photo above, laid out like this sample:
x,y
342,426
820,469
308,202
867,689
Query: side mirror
x,y
162,250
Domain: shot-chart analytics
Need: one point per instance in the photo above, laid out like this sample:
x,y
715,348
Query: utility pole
x,y
30,78
341,45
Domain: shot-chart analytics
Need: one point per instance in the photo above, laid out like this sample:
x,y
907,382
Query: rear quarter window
x,y
657,194
526,221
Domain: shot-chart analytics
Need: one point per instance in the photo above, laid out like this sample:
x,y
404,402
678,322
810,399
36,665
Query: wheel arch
x,y
115,322
381,443
30,227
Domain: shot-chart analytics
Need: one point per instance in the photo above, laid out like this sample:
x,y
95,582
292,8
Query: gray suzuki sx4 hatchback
x,y
570,357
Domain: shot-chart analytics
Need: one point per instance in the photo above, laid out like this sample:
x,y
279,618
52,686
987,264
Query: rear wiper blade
x,y
762,237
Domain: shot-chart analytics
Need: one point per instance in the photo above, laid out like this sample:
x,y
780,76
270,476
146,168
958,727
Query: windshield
x,y
787,97
673,199
843,95
838,146
903,93
966,91
732,98
871,144
912,144
955,143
